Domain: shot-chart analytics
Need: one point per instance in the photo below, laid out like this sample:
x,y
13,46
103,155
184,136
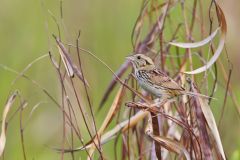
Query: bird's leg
x,y
160,103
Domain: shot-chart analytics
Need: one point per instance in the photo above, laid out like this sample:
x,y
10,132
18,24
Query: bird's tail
x,y
198,95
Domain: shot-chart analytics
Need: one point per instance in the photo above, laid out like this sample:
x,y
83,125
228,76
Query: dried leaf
x,y
144,46
67,62
70,67
220,46
171,145
115,105
138,24
212,124
223,26
123,126
196,44
112,111
5,112
204,137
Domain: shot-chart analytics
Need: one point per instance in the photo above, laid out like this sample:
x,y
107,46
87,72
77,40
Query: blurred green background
x,y
106,26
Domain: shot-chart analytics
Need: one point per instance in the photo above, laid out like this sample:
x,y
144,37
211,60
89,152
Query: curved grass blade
x,y
28,67
212,124
223,26
196,44
65,57
70,67
5,112
220,47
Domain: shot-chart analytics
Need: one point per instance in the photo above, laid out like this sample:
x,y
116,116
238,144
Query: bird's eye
x,y
138,57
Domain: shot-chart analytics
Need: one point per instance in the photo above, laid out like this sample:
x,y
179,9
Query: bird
x,y
155,81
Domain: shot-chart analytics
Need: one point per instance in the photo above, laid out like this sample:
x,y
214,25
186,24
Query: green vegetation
x,y
106,28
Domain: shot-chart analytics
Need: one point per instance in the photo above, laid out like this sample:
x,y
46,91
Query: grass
x,y
185,129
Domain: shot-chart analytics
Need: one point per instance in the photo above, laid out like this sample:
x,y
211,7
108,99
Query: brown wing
x,y
163,80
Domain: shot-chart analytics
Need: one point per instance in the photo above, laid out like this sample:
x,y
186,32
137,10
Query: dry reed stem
x,y
190,119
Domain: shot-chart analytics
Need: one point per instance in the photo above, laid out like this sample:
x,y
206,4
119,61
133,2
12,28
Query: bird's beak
x,y
130,58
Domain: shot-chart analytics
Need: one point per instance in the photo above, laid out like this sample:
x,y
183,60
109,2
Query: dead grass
x,y
185,129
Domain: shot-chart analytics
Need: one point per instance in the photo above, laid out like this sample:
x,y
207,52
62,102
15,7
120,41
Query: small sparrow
x,y
155,81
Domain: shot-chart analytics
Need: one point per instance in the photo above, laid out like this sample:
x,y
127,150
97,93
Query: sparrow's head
x,y
141,62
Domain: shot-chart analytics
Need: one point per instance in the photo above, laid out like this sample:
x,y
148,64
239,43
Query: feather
x,y
160,78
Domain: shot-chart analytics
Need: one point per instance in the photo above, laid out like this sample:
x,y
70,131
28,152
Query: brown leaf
x,y
202,127
121,127
70,67
212,124
208,115
171,145
65,58
112,111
